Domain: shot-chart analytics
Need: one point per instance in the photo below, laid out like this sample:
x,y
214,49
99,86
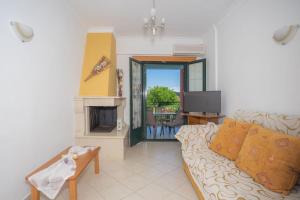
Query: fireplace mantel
x,y
100,101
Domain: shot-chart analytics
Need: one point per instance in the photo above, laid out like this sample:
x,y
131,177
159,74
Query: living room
x,y
51,94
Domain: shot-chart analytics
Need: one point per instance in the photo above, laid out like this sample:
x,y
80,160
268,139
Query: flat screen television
x,y
206,101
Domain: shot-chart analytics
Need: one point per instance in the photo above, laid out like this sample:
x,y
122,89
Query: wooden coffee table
x,y
81,163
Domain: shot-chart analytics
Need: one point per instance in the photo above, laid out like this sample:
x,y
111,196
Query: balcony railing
x,y
165,107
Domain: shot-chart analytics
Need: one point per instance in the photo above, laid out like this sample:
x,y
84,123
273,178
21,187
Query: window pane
x,y
136,95
196,77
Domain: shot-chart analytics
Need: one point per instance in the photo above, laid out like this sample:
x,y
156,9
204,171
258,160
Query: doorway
x,y
163,88
159,119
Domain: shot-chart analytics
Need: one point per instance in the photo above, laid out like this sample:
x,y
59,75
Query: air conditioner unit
x,y
189,49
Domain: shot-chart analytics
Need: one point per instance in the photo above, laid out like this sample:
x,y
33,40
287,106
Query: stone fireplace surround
x,y
113,144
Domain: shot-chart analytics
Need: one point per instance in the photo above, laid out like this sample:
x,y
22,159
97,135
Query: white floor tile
x,y
121,174
151,174
151,171
187,191
133,197
102,181
175,197
169,182
115,192
135,182
151,192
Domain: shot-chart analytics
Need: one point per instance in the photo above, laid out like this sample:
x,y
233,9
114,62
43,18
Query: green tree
x,y
162,97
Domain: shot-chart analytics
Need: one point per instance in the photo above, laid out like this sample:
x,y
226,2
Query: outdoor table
x,y
163,116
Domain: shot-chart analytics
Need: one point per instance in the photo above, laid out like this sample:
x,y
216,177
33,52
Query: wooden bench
x,y
81,163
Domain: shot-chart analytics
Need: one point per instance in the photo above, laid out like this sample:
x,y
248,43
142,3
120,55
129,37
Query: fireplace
x,y
99,116
102,118
99,121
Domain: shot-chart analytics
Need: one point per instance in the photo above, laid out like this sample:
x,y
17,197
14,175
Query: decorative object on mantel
x,y
152,24
100,66
120,76
285,34
22,31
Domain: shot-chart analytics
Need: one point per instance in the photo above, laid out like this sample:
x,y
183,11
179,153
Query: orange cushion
x,y
271,158
230,137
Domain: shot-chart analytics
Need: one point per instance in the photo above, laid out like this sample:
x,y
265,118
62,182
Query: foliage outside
x,y
163,98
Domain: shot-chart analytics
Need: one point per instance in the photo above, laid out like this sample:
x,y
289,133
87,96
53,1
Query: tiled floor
x,y
151,171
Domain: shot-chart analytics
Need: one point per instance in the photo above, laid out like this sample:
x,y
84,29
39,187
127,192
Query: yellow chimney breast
x,y
104,83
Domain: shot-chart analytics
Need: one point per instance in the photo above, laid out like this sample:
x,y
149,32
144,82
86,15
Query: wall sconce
x,y
22,31
285,34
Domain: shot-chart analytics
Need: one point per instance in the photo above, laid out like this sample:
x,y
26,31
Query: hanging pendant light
x,y
152,24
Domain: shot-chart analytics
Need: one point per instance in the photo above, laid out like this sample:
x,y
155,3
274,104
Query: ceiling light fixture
x,y
152,23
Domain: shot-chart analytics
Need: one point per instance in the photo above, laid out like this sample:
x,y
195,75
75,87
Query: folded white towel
x,y
79,150
50,180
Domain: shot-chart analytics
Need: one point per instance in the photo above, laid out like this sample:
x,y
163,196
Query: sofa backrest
x,y
283,123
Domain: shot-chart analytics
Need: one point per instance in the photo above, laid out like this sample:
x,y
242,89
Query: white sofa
x,y
216,177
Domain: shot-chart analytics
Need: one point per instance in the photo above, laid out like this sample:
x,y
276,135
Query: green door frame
x,y
142,136
136,135
203,72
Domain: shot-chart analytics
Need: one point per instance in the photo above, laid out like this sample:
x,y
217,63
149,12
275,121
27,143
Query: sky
x,y
164,77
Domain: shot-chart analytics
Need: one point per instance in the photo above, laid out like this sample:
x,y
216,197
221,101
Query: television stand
x,y
194,118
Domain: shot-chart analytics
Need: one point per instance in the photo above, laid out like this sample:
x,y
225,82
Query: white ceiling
x,y
184,18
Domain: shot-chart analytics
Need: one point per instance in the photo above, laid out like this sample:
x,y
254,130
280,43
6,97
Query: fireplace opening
x,y
103,118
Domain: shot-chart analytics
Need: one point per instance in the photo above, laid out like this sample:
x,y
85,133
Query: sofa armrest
x,y
188,134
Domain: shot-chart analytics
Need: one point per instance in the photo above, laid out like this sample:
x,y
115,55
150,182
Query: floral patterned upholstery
x,y
219,178
282,123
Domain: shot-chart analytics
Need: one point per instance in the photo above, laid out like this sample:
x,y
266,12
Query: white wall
x,y
209,39
255,73
38,81
129,46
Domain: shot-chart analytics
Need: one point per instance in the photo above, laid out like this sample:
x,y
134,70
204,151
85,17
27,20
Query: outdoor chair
x,y
151,121
178,121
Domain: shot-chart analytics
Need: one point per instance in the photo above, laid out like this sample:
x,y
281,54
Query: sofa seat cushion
x,y
216,176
